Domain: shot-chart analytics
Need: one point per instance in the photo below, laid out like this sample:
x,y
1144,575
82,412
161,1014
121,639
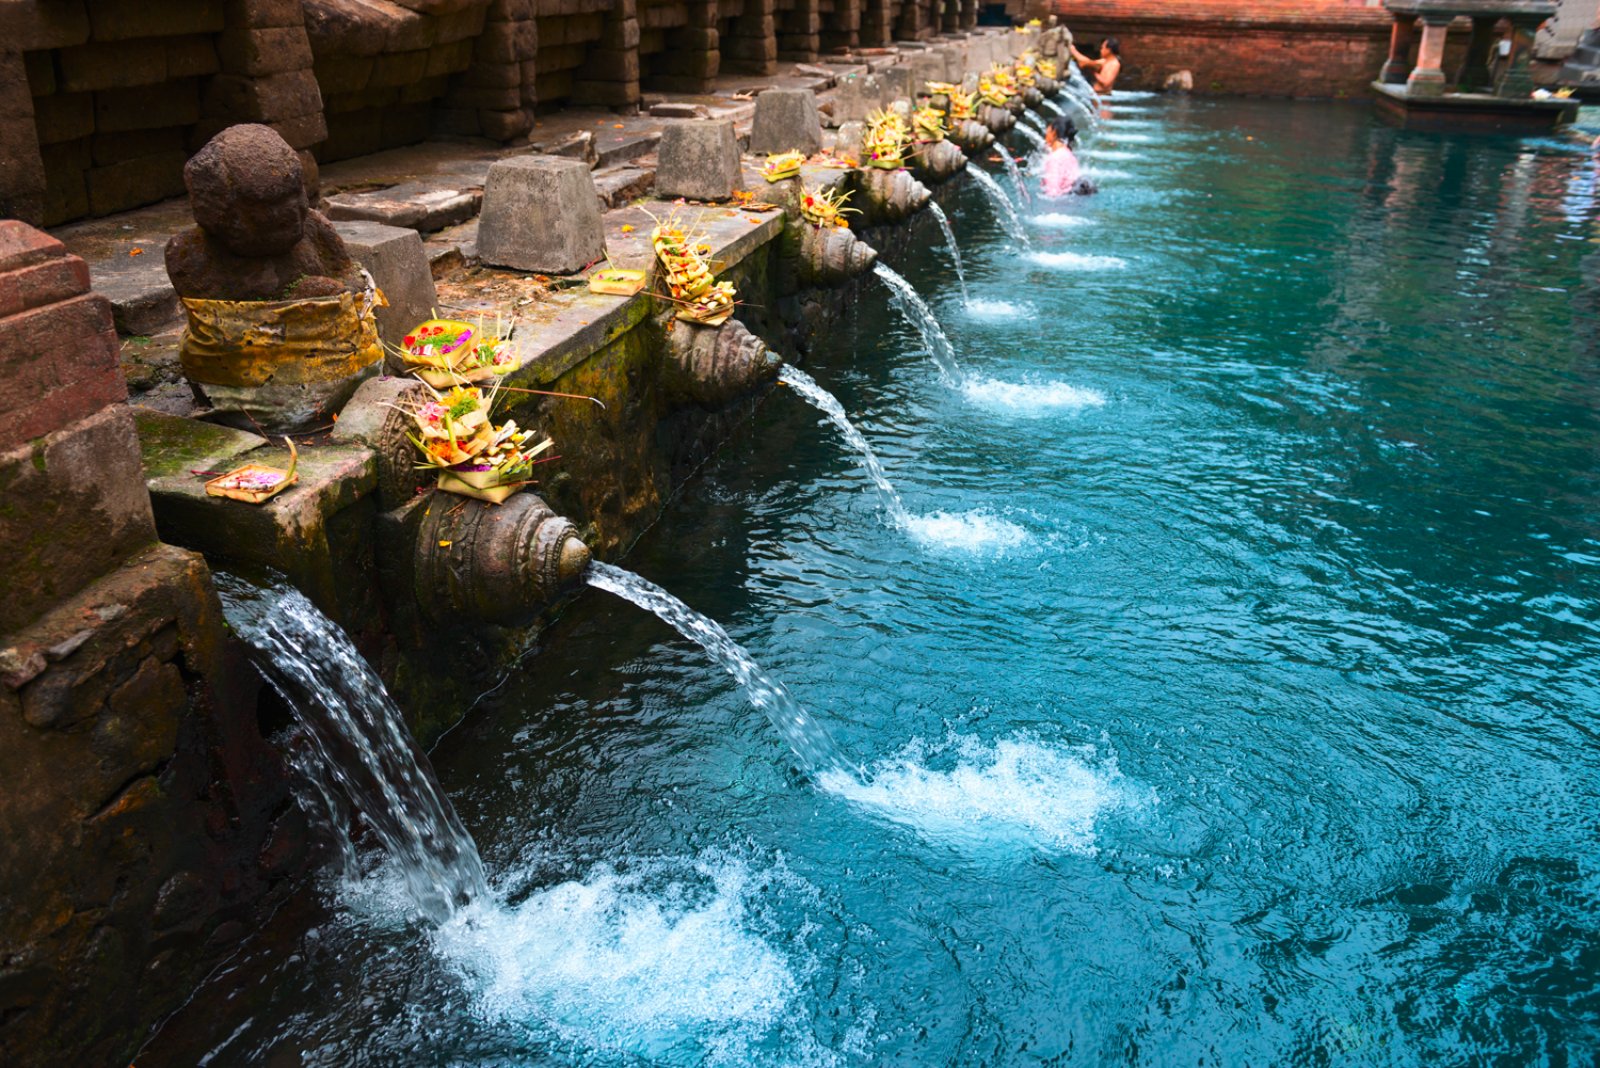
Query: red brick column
x,y
1399,63
22,182
876,27
693,55
843,29
1427,78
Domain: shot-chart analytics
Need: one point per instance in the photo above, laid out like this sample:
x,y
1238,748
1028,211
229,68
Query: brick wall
x,y
1299,48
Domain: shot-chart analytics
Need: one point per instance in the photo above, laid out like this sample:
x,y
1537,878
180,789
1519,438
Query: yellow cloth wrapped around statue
x,y
282,365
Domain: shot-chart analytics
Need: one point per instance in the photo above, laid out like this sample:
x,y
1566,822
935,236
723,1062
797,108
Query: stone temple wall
x,y
101,101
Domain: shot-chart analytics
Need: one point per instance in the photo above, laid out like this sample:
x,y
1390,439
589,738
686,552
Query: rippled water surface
x,y
1232,702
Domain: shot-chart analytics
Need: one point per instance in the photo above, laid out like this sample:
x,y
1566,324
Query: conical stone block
x,y
698,159
786,121
540,213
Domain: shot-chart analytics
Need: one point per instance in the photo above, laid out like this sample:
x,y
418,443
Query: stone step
x,y
421,206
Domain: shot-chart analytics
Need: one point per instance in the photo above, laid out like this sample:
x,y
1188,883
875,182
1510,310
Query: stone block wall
x,y
747,36
1291,48
116,94
495,95
569,31
679,45
147,823
381,66
102,101
841,24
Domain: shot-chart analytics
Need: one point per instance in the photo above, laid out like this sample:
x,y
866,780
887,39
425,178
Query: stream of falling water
x,y
808,738
955,249
1053,106
1002,203
906,298
1032,135
1016,173
829,405
362,746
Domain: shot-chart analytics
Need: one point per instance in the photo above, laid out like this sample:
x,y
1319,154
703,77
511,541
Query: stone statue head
x,y
247,190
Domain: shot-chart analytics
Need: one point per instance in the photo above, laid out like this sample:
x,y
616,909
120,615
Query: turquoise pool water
x,y
1228,698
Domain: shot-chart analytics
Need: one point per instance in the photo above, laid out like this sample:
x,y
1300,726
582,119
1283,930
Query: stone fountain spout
x,y
470,561
891,196
715,365
939,161
998,120
495,563
826,257
971,135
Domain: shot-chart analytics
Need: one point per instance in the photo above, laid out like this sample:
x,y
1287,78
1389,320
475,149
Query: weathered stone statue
x,y
257,236
282,321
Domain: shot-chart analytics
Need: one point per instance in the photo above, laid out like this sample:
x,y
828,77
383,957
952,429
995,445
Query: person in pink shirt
x,y
1061,172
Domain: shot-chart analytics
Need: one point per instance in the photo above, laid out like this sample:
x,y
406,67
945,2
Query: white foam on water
x,y
985,308
1021,788
978,532
1059,219
1031,397
1114,153
1130,138
1129,94
657,962
1107,172
1076,261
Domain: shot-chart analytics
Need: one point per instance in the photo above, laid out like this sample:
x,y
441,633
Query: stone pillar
x,y
786,120
147,823
495,96
1401,35
22,182
540,213
843,29
951,20
1517,82
610,72
693,55
1427,79
753,48
969,14
876,29
912,24
1474,72
798,33
265,77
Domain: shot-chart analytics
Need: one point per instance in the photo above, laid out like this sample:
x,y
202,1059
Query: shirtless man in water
x,y
1106,68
